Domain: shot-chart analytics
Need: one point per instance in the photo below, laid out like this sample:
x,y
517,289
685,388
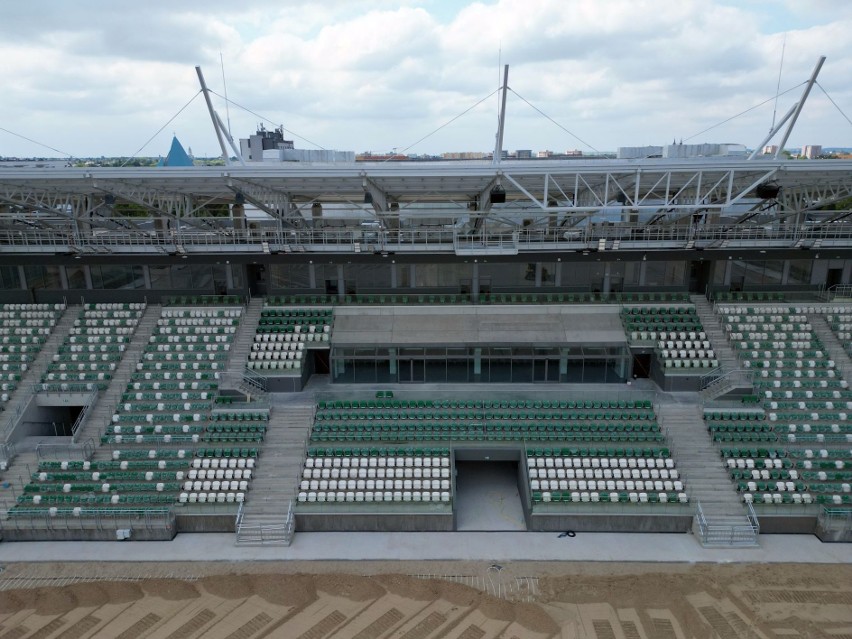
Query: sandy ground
x,y
425,600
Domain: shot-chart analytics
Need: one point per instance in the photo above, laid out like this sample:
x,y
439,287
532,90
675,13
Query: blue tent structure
x,y
177,156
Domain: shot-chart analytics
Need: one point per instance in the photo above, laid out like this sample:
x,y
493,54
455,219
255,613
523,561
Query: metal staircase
x,y
267,517
721,519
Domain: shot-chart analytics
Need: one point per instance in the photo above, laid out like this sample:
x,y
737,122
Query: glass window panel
x,y
9,278
76,276
160,277
181,276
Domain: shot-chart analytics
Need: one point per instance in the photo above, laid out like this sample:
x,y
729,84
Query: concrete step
x,y
241,344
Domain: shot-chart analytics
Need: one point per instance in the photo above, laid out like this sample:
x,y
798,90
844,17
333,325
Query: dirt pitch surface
x,y
425,600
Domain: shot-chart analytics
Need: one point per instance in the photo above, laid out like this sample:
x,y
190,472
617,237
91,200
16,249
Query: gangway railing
x,y
727,533
265,533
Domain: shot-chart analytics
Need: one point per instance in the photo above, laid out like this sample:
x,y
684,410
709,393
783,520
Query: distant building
x,y
177,156
464,155
812,151
770,149
681,151
638,152
544,154
270,146
524,154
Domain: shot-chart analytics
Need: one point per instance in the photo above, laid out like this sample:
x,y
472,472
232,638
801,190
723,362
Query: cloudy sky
x,y
101,77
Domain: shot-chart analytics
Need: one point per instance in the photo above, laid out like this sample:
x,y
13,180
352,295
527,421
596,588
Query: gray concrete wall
x,y
374,522
219,523
610,523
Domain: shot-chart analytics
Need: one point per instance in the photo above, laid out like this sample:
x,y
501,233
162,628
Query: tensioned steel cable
x,y
46,146
834,103
265,119
171,119
751,108
576,137
450,121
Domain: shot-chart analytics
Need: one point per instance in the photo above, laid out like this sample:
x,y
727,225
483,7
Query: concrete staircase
x,y
101,413
835,349
36,369
730,376
706,478
265,517
235,377
241,344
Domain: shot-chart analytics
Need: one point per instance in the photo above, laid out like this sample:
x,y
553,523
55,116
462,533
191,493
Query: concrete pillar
x,y
557,281
238,213
474,282
729,268
22,277
87,276
394,283
229,277
63,278
146,276
606,278
538,274
412,281
643,272
785,272
312,275
392,361
341,283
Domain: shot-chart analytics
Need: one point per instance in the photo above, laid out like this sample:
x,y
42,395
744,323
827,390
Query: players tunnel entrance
x,y
488,490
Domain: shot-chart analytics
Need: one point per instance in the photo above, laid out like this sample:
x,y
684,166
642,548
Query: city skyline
x,y
380,75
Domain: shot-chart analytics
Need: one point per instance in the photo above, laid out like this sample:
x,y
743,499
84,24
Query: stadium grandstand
x,y
596,345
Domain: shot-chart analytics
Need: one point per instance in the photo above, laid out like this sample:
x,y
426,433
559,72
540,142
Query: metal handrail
x,y
278,240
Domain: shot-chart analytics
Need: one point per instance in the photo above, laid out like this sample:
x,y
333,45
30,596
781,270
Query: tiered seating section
x,y
603,474
370,475
282,335
170,395
138,479
840,320
484,298
795,448
401,421
168,445
675,331
24,328
610,451
94,347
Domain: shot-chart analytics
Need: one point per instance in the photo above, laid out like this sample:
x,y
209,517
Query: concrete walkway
x,y
501,547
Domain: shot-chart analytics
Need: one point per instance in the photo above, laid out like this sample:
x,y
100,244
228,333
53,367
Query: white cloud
x,y
377,74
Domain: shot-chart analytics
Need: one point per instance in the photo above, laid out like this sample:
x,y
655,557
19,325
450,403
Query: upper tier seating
x,y
676,333
282,335
94,347
170,396
805,405
24,328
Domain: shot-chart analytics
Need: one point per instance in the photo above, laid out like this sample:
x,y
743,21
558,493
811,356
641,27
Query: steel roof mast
x,y
793,113
221,132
